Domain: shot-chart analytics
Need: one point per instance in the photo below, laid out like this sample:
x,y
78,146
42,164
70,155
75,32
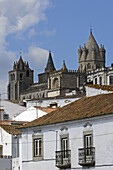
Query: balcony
x,y
63,159
86,156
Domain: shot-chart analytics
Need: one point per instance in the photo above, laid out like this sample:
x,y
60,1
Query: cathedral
x,y
52,82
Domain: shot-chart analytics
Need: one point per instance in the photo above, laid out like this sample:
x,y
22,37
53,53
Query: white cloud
x,y
48,32
22,14
37,57
18,16
31,33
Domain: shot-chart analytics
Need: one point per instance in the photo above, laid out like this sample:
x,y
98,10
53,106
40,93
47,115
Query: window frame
x,y
100,80
37,147
111,80
38,154
64,136
87,134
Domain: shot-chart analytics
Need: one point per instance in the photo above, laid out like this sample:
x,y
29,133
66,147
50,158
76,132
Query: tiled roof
x,y
12,129
85,107
12,121
102,87
46,109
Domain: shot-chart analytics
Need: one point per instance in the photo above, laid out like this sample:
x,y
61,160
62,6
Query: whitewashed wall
x,y
45,103
30,114
5,142
93,91
12,108
102,128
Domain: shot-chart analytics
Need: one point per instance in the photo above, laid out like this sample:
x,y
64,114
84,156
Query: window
x,y
87,153
88,66
64,144
37,147
95,80
21,76
27,73
111,80
49,83
5,117
88,144
55,83
64,147
63,157
100,80
12,76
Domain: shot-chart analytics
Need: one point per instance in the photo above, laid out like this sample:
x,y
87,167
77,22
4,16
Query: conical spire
x,y
91,41
20,60
64,68
50,64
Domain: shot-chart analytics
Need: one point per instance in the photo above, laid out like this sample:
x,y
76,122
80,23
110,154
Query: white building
x,y
76,136
93,90
33,113
6,140
9,109
102,76
53,102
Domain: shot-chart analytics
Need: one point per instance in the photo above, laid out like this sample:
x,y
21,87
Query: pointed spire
x,y
64,68
20,60
91,41
14,66
50,64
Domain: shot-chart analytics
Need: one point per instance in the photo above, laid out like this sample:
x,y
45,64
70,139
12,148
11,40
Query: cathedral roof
x,y
20,60
89,47
91,43
50,65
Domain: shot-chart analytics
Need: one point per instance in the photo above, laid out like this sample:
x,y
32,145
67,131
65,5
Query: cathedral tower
x,y
91,56
20,78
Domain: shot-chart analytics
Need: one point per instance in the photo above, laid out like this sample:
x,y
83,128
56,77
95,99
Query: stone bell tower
x,y
20,78
91,56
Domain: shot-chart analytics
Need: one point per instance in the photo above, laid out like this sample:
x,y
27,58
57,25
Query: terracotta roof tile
x,y
12,121
46,109
12,129
83,108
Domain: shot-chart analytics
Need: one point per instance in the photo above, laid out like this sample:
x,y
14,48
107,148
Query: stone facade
x,y
54,82
91,56
20,78
51,83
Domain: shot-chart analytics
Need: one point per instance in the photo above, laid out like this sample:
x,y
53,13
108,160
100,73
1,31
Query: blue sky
x,y
37,26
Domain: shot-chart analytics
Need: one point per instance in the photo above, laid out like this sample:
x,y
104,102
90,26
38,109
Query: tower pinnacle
x,y
50,64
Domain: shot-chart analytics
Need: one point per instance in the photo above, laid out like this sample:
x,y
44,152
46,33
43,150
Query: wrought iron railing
x,y
86,156
63,159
